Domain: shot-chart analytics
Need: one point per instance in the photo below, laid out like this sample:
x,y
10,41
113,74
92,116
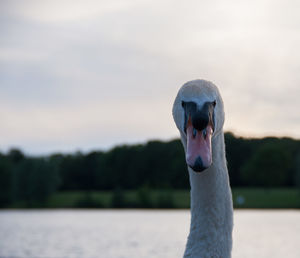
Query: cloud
x,y
65,10
75,71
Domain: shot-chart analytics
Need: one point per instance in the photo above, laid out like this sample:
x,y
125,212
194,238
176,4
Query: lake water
x,y
138,233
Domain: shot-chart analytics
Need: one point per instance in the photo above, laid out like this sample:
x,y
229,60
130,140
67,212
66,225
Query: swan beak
x,y
198,152
199,128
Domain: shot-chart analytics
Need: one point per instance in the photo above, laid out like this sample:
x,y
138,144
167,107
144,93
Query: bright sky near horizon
x,y
86,75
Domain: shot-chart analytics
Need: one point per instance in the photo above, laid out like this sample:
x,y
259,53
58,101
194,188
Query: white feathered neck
x,y
211,201
211,208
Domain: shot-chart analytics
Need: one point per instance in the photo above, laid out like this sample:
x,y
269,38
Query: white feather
x,y
211,201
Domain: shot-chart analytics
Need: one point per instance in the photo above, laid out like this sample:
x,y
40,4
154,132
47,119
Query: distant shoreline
x,y
243,198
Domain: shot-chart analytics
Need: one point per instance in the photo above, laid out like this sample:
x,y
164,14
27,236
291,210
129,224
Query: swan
x,y
198,113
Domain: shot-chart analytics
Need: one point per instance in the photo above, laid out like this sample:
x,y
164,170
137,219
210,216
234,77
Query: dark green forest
x,y
268,162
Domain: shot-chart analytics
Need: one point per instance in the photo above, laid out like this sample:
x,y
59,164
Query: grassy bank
x,y
147,198
143,198
285,198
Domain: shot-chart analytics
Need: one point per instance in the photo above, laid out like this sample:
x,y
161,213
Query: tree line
x,y
266,162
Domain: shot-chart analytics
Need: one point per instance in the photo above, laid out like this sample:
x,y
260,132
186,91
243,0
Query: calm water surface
x,y
138,233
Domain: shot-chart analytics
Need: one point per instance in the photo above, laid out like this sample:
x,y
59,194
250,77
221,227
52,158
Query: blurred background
x,y
87,88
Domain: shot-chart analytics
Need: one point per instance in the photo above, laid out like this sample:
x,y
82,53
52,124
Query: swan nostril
x,y
204,133
194,132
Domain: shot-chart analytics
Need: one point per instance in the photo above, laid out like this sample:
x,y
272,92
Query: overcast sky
x,y
85,75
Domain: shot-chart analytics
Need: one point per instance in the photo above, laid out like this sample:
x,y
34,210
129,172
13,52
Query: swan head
x,y
198,113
